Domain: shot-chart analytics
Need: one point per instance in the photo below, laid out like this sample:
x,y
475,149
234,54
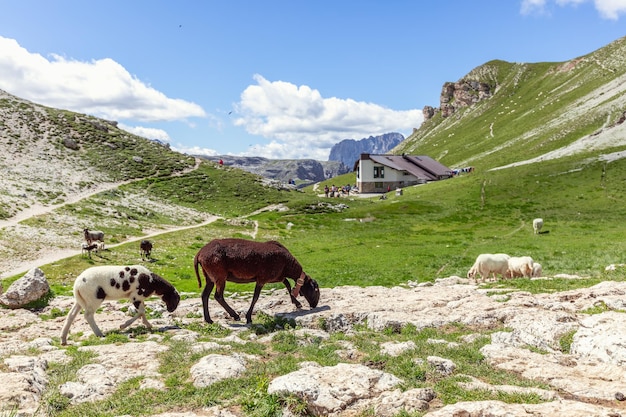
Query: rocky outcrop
x,y
584,378
462,93
348,151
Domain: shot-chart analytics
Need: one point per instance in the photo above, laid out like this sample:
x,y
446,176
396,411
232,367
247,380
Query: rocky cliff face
x,y
462,93
307,170
348,151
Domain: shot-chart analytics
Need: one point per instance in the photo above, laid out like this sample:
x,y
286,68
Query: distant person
x,y
221,162
326,190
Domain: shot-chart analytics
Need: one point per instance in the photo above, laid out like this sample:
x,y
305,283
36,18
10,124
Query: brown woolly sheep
x,y
246,261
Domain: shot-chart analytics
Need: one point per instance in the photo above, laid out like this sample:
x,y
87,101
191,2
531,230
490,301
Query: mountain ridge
x,y
532,109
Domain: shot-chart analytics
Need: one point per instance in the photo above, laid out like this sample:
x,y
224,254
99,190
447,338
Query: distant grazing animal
x,y
487,264
94,236
537,270
88,248
145,248
537,225
520,266
99,283
246,261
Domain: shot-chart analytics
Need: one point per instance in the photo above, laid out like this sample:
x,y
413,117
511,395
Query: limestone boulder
x,y
31,287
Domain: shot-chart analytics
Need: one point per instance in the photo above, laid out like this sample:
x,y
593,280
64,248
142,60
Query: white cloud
x,y
608,9
195,150
611,9
147,132
299,119
100,87
531,6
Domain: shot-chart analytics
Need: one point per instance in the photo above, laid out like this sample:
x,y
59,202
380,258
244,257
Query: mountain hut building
x,y
382,173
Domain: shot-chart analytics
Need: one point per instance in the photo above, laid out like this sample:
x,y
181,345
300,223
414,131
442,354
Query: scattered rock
x,y
70,144
330,389
501,409
31,287
591,371
396,349
443,366
213,368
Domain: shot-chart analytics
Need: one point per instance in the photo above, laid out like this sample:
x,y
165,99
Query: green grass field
x,y
431,231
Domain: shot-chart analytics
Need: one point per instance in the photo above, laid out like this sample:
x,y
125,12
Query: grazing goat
x,y
245,261
99,283
521,266
537,225
488,263
145,247
94,236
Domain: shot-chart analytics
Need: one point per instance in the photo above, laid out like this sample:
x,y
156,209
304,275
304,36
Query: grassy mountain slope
x,y
50,154
432,230
536,108
63,171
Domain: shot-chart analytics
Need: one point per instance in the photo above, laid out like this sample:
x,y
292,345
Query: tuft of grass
x,y
566,340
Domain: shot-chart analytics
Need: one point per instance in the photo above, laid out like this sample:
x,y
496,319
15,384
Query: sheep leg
x,y
219,297
141,312
294,300
68,322
255,298
206,293
89,316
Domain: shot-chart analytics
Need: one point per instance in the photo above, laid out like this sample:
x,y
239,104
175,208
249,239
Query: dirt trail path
x,y
40,209
54,255
57,255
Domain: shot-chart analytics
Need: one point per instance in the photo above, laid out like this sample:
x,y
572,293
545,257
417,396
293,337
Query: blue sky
x,y
275,78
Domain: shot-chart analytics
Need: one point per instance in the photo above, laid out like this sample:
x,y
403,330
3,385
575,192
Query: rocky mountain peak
x,y
348,150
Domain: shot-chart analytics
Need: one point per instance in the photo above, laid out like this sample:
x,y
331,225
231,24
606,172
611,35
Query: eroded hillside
x,y
49,156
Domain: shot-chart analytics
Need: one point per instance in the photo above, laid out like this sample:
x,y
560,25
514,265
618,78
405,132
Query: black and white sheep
x,y
145,247
92,236
135,283
88,248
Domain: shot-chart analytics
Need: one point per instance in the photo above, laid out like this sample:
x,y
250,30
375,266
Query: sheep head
x,y
311,291
171,300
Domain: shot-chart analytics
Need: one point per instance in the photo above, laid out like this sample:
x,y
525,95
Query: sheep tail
x,y
195,267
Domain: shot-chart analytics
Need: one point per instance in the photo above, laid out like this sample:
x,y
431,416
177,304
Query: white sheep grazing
x,y
135,283
537,225
537,270
488,263
520,266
